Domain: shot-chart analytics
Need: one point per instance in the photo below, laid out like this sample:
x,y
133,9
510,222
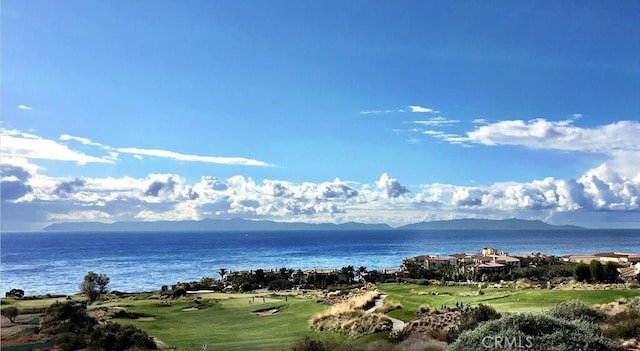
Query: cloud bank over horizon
x,y
31,199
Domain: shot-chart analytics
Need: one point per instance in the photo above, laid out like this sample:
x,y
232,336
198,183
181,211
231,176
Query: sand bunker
x,y
268,312
146,319
189,309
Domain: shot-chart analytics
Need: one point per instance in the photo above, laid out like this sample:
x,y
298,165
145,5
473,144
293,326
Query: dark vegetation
x,y
72,329
94,285
538,332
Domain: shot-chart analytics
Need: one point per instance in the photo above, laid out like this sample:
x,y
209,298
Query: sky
x,y
320,111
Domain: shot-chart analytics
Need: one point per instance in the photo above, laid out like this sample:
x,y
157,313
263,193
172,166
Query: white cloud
x,y
20,145
16,144
240,161
437,121
412,109
25,107
420,109
378,112
560,135
84,141
40,199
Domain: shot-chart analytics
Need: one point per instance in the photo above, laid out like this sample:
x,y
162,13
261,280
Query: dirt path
x,y
398,325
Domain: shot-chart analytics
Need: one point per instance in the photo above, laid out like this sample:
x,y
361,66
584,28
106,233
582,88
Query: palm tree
x,y
222,272
361,271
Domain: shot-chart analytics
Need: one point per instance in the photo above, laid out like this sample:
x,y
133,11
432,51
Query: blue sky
x,y
325,111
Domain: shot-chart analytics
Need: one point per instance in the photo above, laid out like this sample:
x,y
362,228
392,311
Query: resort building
x,y
435,262
620,258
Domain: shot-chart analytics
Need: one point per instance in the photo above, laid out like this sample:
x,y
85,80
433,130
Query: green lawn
x,y
230,323
503,300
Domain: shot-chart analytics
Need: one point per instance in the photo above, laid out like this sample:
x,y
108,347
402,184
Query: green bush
x,y
116,337
581,272
576,309
534,332
470,319
73,329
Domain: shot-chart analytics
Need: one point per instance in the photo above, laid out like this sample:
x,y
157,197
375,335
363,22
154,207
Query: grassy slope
x,y
503,300
229,324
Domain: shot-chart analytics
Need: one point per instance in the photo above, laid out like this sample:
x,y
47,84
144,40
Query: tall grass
x,y
349,317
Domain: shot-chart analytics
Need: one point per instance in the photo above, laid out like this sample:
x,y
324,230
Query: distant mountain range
x,y
250,225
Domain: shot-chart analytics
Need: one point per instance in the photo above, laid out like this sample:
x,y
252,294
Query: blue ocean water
x,y
55,262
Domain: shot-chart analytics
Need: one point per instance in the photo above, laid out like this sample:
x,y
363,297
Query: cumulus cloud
x,y
167,185
390,186
66,188
14,182
25,107
31,198
560,135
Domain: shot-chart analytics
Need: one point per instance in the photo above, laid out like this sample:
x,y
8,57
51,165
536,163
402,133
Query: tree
x,y
222,272
348,272
597,271
611,273
581,272
361,271
10,312
94,285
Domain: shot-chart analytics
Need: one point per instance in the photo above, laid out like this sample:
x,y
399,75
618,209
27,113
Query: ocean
x,y
56,262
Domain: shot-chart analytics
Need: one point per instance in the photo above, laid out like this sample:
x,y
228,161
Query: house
x,y
435,262
507,260
481,268
618,257
630,273
489,251
604,257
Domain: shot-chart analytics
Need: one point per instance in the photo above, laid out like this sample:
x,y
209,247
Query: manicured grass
x,y
230,323
40,303
503,300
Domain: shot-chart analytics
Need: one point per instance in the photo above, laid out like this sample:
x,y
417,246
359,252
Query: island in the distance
x,y
238,224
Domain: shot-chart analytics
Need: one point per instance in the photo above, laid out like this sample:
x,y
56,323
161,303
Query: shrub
x,y
625,329
179,292
116,337
73,329
534,332
470,319
417,342
581,272
10,312
308,344
597,271
576,309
